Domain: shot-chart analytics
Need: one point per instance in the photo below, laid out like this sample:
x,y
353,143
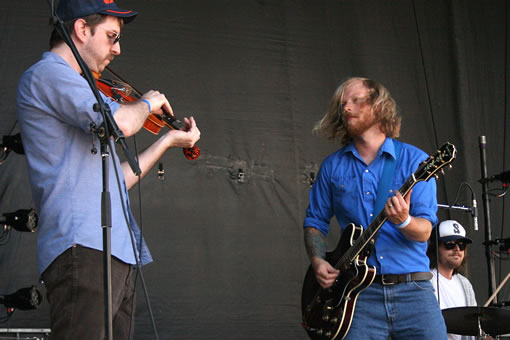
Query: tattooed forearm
x,y
315,243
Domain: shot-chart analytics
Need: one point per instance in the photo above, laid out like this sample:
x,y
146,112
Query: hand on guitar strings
x,y
324,272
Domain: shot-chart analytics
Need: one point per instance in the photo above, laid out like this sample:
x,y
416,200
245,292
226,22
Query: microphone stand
x,y
461,207
109,127
486,207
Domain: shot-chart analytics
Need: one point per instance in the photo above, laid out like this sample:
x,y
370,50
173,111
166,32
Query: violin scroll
x,y
165,119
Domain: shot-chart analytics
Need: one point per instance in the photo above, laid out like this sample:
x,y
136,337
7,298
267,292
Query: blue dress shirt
x,y
54,105
347,188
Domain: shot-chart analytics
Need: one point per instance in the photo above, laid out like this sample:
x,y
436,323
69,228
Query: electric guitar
x,y
327,313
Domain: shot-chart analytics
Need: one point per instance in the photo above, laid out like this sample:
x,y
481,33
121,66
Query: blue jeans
x,y
75,290
402,311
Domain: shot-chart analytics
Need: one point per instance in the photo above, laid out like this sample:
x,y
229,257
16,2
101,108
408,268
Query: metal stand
x,y
455,207
486,207
24,333
106,224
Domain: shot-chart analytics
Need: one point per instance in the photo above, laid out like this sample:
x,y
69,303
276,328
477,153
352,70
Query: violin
x,y
123,92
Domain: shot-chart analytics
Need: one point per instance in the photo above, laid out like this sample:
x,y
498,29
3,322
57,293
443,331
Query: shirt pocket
x,y
345,192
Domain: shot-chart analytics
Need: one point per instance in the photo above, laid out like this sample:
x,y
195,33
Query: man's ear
x,y
81,30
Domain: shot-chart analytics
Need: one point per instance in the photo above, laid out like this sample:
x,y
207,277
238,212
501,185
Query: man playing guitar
x,y
399,300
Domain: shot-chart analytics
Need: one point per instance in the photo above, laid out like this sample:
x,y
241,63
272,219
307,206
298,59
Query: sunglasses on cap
x,y
451,245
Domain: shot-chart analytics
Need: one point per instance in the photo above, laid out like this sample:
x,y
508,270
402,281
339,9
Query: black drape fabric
x,y
225,230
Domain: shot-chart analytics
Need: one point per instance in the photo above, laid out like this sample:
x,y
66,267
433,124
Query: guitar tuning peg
x,y
450,166
442,171
436,176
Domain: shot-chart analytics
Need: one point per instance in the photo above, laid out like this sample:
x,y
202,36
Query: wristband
x,y
148,104
405,223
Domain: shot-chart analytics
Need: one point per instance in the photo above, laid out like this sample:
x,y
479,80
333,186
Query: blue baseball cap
x,y
74,9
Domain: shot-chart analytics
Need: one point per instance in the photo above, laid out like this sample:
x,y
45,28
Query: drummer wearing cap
x,y
55,109
454,289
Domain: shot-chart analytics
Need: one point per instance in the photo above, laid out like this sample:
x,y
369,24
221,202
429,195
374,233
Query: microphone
x,y
161,172
21,220
13,143
474,213
502,177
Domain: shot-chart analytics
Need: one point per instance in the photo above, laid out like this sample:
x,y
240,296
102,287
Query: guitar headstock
x,y
437,161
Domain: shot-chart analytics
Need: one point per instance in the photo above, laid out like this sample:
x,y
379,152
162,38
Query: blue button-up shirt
x,y
54,105
347,188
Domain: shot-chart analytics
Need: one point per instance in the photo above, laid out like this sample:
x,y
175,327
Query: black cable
x,y
133,245
6,318
140,245
5,237
473,195
436,242
505,125
133,304
139,201
429,99
13,126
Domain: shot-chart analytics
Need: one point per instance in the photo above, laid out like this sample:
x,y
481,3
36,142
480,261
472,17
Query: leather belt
x,y
391,279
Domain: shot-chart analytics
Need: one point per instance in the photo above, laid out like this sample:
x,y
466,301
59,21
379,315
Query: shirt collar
x,y
387,147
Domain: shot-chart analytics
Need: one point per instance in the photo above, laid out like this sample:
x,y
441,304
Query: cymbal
x,y
464,320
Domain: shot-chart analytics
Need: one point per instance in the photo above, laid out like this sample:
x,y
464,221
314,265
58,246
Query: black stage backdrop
x,y
225,230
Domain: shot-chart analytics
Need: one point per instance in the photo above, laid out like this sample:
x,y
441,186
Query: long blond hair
x,y
383,106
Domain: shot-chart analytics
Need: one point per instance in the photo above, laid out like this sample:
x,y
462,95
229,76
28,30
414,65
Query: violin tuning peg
x,y
436,176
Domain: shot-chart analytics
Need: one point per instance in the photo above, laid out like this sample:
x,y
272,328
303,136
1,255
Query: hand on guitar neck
x,y
397,207
397,210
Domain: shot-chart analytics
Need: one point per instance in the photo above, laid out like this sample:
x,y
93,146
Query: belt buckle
x,y
383,280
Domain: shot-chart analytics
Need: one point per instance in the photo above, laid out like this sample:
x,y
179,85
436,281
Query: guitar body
x,y
327,313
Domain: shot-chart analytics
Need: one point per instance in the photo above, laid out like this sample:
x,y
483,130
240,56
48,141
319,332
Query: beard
x,y
96,59
358,126
451,262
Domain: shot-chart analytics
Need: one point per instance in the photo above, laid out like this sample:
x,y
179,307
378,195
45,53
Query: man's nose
x,y
116,48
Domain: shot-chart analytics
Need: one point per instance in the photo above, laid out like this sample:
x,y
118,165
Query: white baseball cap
x,y
451,230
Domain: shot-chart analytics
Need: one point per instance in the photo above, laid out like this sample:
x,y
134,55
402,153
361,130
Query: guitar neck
x,y
371,230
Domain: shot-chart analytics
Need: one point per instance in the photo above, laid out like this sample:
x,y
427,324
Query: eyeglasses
x,y
451,245
115,37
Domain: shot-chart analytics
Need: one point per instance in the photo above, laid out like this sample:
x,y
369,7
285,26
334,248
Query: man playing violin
x,y
55,108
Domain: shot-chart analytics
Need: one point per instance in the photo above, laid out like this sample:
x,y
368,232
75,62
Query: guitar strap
x,y
386,179
383,187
